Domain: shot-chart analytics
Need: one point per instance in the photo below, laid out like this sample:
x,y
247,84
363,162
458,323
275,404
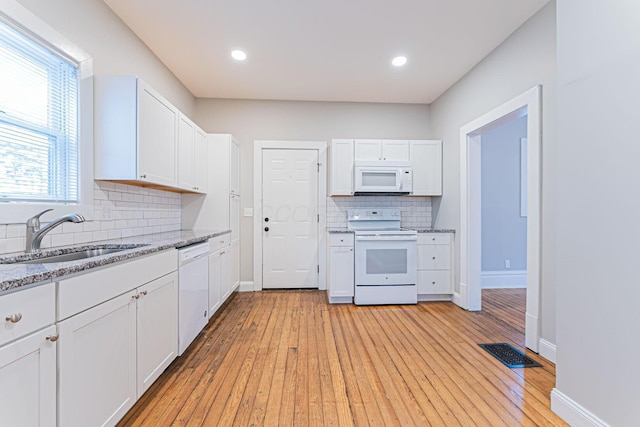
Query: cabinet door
x,y
201,162
97,364
157,134
186,153
157,329
214,283
234,217
368,149
434,282
235,266
28,378
395,150
341,271
426,161
341,175
234,168
434,257
225,273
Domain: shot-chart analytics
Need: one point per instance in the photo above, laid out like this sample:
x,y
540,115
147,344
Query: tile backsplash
x,y
415,211
119,211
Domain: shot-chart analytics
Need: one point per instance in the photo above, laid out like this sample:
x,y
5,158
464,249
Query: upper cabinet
x,y
141,138
341,170
425,157
381,149
192,156
426,161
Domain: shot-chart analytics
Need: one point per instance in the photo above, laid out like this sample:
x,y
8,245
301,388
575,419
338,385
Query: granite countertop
x,y
338,231
13,276
419,230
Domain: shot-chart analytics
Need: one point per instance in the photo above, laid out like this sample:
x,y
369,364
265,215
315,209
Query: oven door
x,y
389,260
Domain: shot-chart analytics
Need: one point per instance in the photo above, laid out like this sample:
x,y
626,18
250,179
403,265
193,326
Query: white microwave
x,y
388,177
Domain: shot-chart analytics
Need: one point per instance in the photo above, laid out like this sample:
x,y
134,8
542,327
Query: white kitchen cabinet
x,y
157,306
435,269
201,162
28,346
381,149
118,332
135,132
97,364
234,166
340,286
219,271
192,156
235,266
341,167
426,160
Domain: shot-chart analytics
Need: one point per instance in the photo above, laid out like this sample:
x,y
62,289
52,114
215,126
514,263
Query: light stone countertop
x,y
419,230
14,276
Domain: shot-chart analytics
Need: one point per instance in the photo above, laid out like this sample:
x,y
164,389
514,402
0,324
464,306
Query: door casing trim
x,y
258,147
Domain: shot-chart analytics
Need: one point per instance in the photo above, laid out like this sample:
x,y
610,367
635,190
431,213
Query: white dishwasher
x,y
193,292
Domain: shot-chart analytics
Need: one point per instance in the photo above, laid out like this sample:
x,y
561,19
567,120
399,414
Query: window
x,y
38,121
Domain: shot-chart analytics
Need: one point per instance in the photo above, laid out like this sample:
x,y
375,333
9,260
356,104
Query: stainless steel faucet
x,y
35,233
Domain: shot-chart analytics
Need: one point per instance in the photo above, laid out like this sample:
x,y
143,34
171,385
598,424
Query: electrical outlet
x,y
507,263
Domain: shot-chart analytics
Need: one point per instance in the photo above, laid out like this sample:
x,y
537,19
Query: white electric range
x,y
385,257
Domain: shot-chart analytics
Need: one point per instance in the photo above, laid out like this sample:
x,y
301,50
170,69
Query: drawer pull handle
x,y
433,238
14,318
434,257
135,296
53,338
143,293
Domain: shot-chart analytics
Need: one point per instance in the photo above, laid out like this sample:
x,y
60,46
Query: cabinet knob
x,y
143,176
52,338
143,293
433,238
434,257
14,318
137,296
266,229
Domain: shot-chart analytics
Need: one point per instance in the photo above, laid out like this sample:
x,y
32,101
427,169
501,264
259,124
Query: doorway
x,y
290,219
469,295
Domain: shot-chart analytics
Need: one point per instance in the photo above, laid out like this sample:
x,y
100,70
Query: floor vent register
x,y
510,356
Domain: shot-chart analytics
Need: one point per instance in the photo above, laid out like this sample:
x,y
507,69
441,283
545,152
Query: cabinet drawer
x,y
215,243
34,307
434,257
87,290
434,239
434,282
340,239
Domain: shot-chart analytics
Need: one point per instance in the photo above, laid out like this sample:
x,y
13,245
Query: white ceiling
x,y
323,50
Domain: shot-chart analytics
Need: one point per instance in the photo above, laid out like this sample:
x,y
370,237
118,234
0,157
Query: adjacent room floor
x,y
289,358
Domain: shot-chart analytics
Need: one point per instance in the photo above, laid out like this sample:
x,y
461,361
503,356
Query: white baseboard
x,y
547,350
531,332
504,279
572,412
434,297
340,300
246,286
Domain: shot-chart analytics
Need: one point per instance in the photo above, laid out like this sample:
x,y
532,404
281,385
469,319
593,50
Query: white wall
x,y
303,121
93,27
527,58
504,231
597,243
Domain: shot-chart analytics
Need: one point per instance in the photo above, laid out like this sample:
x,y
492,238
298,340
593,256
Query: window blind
x,y
38,121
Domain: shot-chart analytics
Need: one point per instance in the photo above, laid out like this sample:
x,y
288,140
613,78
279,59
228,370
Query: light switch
x,y
248,211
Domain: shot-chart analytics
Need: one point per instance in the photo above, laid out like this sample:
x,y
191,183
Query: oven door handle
x,y
386,238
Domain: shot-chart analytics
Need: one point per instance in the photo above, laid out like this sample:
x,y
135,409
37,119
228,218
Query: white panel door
x,y
97,364
290,219
28,379
157,329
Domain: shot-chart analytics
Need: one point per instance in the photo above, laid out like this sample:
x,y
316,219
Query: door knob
x,y
266,229
266,220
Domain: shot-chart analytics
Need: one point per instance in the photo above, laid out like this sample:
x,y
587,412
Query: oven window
x,y
387,261
379,179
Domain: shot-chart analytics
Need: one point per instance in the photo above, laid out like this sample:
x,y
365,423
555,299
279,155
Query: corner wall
x,y
526,59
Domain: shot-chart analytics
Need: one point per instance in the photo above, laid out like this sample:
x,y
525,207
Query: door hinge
x,y
318,269
318,167
318,217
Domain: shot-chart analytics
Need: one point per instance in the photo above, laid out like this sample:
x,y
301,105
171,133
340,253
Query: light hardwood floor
x,y
290,359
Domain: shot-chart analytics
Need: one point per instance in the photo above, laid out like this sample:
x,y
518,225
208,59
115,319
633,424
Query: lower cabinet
x,y
435,280
109,355
221,279
28,379
341,268
235,266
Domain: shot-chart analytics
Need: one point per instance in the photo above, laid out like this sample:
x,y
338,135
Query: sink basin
x,y
76,254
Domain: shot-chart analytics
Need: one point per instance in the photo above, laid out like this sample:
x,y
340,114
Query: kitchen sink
x,y
74,254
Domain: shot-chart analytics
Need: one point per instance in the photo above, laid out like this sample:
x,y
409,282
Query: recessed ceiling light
x,y
238,55
399,61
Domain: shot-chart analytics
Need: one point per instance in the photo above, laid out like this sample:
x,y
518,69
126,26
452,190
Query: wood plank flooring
x,y
288,358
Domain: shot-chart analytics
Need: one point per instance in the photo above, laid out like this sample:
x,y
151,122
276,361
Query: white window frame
x,y
15,213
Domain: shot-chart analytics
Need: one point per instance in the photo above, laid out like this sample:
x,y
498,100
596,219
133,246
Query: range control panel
x,y
372,214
